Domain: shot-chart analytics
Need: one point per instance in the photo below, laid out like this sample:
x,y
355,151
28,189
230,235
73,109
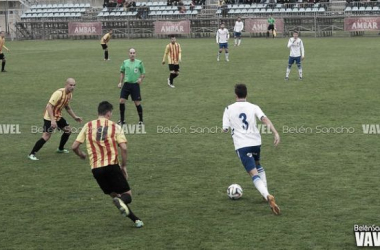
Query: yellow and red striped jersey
x,y
59,100
102,138
173,53
2,44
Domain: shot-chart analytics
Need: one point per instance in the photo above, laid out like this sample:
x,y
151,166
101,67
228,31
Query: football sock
x,y
236,41
287,71
126,198
299,70
39,144
64,139
106,55
260,186
262,174
122,111
131,215
219,54
239,42
226,55
171,77
3,66
267,33
140,112
175,75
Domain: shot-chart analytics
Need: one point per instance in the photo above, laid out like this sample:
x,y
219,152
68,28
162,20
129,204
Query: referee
x,y
132,73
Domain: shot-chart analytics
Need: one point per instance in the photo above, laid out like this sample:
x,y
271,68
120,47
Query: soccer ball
x,y
234,191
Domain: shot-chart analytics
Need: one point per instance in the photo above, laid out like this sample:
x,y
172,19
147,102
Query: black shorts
x,y
104,46
174,67
271,27
111,179
60,124
2,56
132,89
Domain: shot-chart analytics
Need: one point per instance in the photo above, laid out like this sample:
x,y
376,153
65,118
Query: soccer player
x,y
173,53
103,42
2,56
271,22
241,118
222,36
102,136
132,73
53,118
297,54
238,28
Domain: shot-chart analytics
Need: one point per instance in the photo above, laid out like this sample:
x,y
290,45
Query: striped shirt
x,y
59,100
173,53
2,44
102,137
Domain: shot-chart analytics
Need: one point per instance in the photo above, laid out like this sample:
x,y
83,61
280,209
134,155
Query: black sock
x,y
106,54
64,139
175,75
171,77
131,215
140,112
122,110
267,33
39,144
3,66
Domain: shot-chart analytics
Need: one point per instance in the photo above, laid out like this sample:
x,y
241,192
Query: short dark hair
x,y
241,90
104,107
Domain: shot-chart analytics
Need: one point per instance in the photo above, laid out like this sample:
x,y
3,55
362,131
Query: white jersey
x,y
296,47
241,118
222,36
239,26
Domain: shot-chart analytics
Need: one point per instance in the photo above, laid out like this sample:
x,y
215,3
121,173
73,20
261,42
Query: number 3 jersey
x,y
102,138
241,118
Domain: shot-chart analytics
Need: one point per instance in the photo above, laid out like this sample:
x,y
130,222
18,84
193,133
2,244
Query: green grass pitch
x,y
323,182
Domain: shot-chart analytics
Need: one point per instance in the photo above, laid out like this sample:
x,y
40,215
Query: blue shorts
x,y
237,34
223,45
249,156
294,59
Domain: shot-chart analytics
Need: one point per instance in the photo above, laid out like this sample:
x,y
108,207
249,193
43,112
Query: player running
x,y
238,28
241,118
2,56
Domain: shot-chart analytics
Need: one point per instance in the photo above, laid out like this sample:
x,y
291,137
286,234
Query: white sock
x,y
287,72
226,54
262,175
218,54
260,186
300,72
239,41
236,41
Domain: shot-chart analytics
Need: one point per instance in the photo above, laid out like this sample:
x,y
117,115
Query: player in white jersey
x,y
222,36
297,54
238,28
241,118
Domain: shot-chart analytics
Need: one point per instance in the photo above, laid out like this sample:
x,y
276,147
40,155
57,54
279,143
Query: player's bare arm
x,y
124,154
49,108
121,79
141,78
268,122
72,114
76,148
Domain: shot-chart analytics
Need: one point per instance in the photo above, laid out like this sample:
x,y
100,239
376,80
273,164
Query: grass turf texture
x,y
324,183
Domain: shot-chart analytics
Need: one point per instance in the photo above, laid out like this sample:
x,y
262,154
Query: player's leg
x,y
3,61
124,93
290,62
47,131
136,97
66,129
226,52
219,52
105,49
171,75
236,39
239,39
115,184
256,156
268,31
299,66
175,72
